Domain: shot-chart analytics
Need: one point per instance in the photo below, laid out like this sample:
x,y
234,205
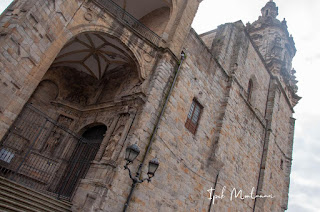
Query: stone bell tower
x,y
277,46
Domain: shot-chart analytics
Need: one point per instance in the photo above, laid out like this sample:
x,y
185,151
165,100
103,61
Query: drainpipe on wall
x,y
213,191
155,129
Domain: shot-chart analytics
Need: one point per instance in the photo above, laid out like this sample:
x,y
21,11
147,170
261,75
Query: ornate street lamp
x,y
131,153
153,166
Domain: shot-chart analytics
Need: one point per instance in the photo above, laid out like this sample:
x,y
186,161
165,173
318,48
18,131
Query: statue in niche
x,y
113,142
56,135
53,142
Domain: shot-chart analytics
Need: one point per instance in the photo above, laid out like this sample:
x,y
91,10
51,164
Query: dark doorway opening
x,y
81,158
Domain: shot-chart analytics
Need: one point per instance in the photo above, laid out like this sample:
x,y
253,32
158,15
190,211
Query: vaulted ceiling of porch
x,y
94,54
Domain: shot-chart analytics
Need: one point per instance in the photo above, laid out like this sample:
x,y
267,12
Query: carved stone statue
x,y
113,142
52,142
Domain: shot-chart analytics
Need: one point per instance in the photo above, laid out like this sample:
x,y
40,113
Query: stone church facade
x,y
83,79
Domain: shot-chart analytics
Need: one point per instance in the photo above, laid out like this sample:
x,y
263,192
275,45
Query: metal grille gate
x,y
27,157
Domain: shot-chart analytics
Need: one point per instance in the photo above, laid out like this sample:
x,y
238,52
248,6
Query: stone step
x,y
28,200
34,193
19,192
7,208
15,206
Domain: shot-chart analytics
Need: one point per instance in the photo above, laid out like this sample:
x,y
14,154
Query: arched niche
x,y
252,88
154,14
140,8
157,20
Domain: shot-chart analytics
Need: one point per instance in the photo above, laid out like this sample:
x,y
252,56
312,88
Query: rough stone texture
x,y
157,20
208,37
240,140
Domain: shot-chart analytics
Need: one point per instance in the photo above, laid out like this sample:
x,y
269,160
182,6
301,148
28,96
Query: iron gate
x,y
28,157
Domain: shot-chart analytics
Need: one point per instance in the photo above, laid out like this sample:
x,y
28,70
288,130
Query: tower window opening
x,y
267,12
250,87
281,164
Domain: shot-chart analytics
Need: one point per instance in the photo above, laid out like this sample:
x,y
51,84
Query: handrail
x,y
128,19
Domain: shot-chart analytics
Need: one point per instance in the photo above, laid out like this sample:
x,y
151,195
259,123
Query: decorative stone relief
x,y
147,57
117,136
88,16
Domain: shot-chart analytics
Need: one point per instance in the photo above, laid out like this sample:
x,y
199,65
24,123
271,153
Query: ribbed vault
x,y
94,54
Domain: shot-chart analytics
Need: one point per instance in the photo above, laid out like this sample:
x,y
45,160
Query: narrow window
x,y
281,164
267,13
250,87
193,116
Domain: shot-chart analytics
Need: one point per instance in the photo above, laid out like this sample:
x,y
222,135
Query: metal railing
x,y
40,153
128,20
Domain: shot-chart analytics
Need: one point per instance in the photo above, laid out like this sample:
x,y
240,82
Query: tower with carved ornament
x,y
277,47
272,39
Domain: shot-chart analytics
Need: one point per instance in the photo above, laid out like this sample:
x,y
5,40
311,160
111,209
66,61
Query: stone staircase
x,y
17,198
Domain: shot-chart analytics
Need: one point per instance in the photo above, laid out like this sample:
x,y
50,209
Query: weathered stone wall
x,y
157,20
240,144
178,27
175,187
239,148
279,155
188,158
208,37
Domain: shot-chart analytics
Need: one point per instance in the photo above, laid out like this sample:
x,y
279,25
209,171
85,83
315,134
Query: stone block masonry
x,y
244,135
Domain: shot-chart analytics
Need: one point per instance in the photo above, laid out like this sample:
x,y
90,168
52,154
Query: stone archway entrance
x,y
94,79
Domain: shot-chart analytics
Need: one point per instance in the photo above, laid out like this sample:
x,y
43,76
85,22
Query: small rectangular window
x,y
6,155
193,116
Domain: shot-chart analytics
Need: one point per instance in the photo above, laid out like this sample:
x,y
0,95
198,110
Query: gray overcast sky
x,y
302,19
